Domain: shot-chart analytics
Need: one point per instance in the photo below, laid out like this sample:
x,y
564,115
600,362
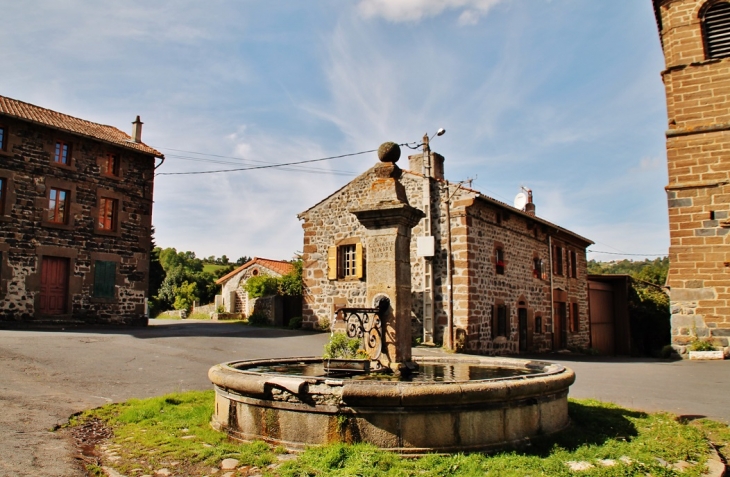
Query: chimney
x,y
137,130
530,206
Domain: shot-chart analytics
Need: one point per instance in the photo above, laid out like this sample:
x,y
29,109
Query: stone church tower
x,y
695,36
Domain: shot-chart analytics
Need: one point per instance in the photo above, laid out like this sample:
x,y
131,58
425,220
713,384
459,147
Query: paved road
x,y
47,376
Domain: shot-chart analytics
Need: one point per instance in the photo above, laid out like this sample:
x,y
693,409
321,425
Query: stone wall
x,y
26,236
698,193
475,230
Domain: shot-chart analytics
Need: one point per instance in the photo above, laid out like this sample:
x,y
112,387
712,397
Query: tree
x,y
291,283
185,296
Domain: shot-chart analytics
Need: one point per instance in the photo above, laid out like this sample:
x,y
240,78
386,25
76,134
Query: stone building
x,y
75,218
695,38
234,297
515,282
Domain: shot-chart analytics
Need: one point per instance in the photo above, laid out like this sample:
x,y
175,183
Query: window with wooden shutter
x,y
557,260
494,321
575,319
358,261
716,29
105,276
345,261
332,263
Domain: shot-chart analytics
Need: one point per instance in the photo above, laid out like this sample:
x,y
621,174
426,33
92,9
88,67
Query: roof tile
x,y
82,127
279,266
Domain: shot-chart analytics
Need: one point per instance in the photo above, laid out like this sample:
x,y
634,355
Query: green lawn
x,y
211,267
173,431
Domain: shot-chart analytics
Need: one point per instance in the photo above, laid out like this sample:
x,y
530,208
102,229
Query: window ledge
x,y
56,225
108,233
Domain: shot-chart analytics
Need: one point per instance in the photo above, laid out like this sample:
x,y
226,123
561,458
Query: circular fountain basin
x,y
455,404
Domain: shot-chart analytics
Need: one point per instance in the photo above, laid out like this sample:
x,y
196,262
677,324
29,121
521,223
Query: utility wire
x,y
268,166
632,254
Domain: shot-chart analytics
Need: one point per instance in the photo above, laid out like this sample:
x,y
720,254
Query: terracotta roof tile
x,y
278,266
46,117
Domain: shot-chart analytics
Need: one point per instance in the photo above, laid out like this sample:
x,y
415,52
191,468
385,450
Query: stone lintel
x,y
692,294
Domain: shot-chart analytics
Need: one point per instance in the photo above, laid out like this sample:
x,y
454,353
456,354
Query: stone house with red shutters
x,y
487,277
75,218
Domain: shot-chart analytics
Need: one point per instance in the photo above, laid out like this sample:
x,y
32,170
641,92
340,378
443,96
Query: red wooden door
x,y
54,285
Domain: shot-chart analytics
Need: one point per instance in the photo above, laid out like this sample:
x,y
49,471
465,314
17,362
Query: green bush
x,y
261,285
295,323
258,319
340,346
701,345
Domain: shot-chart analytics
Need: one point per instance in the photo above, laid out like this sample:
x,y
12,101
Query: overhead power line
x,y
632,254
266,166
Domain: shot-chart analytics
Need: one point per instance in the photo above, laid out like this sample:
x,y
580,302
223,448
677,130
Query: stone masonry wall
x,y
698,193
26,237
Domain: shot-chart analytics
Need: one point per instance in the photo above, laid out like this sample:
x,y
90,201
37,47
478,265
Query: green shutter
x,y
105,276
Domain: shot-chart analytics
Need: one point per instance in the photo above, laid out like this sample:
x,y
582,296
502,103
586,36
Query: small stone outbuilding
x,y
234,297
75,218
487,278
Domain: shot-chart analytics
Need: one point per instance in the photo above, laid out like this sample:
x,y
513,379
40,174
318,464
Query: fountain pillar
x,y
388,218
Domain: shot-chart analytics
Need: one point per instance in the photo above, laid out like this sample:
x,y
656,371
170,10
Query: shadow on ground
x,y
590,425
167,329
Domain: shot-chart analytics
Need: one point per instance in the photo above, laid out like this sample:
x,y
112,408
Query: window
x,y
3,137
537,267
105,275
345,261
557,260
107,213
538,324
573,257
716,29
574,319
57,206
499,257
62,154
110,165
499,321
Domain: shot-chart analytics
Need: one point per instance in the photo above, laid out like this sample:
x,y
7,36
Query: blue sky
x,y
562,96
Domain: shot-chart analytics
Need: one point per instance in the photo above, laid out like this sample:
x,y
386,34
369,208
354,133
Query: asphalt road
x,y
45,376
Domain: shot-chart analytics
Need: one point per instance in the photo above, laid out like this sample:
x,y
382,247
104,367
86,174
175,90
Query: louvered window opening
x,y
717,30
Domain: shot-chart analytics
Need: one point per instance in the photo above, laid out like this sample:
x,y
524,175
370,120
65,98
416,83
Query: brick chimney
x,y
529,206
137,130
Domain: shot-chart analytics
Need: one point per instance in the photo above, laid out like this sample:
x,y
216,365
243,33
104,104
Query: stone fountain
x,y
412,406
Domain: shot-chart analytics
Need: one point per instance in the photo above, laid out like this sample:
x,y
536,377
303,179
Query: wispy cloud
x,y
416,10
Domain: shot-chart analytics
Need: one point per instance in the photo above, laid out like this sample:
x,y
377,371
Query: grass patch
x,y
212,267
173,431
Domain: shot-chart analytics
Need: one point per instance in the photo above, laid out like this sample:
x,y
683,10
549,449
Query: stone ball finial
x,y
389,152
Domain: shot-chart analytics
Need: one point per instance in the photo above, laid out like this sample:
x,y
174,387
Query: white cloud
x,y
398,11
